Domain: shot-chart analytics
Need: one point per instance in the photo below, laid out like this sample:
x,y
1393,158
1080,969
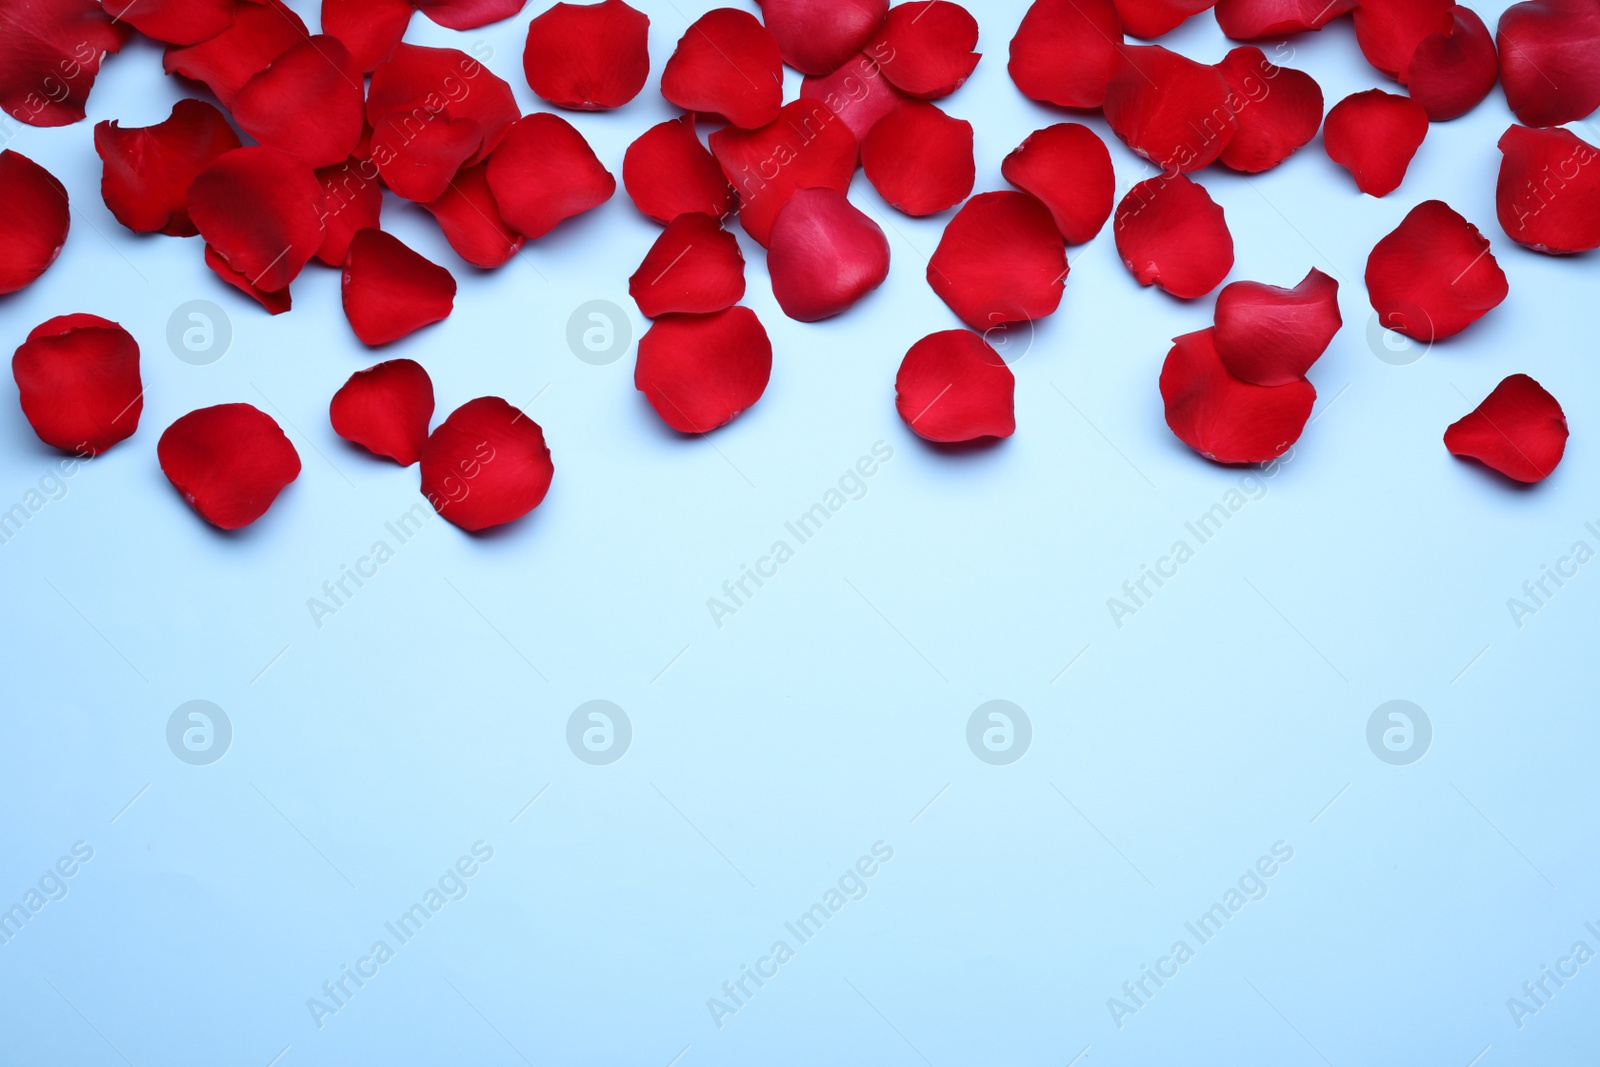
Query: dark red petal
x,y
417,162
352,201
1450,73
1171,234
825,256
1389,31
1550,60
308,102
1156,18
807,147
1268,335
1373,135
1249,20
1518,430
1434,275
486,465
175,21
260,33
1223,418
953,386
925,47
1277,109
1171,110
588,57
857,92
470,219
418,86
468,14
694,267
390,291
1066,51
230,462
50,52
727,64
1548,196
370,29
276,302
1069,169
78,379
818,37
668,172
261,209
386,410
1001,260
147,170
700,371
920,159
545,172
34,222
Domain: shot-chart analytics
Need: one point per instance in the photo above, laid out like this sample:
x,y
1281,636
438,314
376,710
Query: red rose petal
x,y
1550,60
545,172
1171,234
700,372
386,410
370,29
1223,418
420,86
1001,260
727,64
920,159
1518,430
390,291
953,386
470,219
276,302
1374,135
1388,31
50,53
352,201
1278,110
78,379
1171,110
468,14
1450,73
694,267
486,465
1066,51
175,21
261,209
825,256
1156,18
146,171
857,92
1268,335
925,47
818,37
1069,169
1249,20
34,224
229,462
308,102
260,33
668,172
807,147
1548,195
1434,275
588,57
417,164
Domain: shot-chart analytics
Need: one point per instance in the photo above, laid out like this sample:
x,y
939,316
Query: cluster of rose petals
x,y
1518,430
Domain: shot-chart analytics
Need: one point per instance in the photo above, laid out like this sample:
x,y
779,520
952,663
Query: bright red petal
x,y
1268,335
1277,109
1171,110
545,172
825,255
701,371
146,171
386,410
1550,60
418,162
588,57
1156,18
953,386
420,86
694,267
370,29
1171,234
1069,169
470,218
1388,31
50,52
1250,20
1001,260
726,64
818,37
307,102
486,465
276,302
1066,51
1450,73
857,92
920,159
1225,419
352,201
808,147
668,172
1518,430
34,223
175,21
1373,135
261,209
78,380
230,462
925,47
1548,196
390,291
468,14
1434,275
260,33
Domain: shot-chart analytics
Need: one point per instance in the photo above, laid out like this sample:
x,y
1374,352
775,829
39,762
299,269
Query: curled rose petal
x,y
1373,135
261,209
260,32
1171,234
352,200
1169,109
370,29
468,14
668,172
229,462
588,57
1450,73
1277,109
50,53
857,92
1066,51
700,372
486,465
1388,31
726,64
920,159
1069,169
1548,195
543,173
308,102
825,255
953,387
386,410
925,47
470,219
1268,335
1156,18
694,267
1249,20
390,291
418,87
1550,60
1518,430
1434,275
146,171
807,147
276,302
818,37
1001,260
1225,419
176,21
34,224
78,380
